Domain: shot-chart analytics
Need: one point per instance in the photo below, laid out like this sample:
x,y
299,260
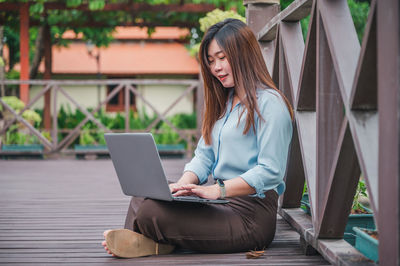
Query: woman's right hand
x,y
188,177
177,188
174,187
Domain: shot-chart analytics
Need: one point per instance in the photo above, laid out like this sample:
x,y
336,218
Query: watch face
x,y
220,182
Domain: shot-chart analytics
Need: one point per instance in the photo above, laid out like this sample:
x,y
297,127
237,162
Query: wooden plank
x,y
127,108
296,11
306,124
306,98
343,180
336,251
65,226
388,59
343,43
364,126
364,90
293,49
330,113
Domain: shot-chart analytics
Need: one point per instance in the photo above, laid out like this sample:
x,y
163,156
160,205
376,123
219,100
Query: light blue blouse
x,y
258,157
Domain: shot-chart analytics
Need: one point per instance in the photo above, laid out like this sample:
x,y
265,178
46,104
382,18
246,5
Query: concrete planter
x,y
355,220
22,147
10,151
366,244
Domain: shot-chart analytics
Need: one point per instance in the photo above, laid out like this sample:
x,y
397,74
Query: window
x,y
117,103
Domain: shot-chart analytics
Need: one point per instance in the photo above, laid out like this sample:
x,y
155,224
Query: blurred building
x,y
132,55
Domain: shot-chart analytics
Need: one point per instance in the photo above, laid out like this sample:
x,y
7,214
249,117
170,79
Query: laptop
x,y
139,170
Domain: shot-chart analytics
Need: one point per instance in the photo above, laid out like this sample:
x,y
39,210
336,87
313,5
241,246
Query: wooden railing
x,y
332,83
55,87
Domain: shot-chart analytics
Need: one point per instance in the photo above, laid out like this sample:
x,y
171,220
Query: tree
x,y
93,22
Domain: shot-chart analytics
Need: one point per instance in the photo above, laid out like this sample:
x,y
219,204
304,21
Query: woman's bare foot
x,y
128,244
104,243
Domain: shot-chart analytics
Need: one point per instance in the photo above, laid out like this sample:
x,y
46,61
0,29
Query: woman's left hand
x,y
207,192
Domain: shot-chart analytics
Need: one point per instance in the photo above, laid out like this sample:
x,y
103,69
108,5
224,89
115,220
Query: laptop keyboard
x,y
198,199
189,198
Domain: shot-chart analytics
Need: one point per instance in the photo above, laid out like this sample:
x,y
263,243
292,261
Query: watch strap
x,y
222,189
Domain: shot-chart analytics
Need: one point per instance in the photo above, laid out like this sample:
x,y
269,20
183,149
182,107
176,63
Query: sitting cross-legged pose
x,y
246,133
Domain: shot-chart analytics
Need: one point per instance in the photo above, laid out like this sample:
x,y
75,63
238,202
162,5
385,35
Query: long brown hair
x,y
249,71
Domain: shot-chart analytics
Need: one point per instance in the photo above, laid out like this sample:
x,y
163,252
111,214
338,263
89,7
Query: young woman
x,y
246,132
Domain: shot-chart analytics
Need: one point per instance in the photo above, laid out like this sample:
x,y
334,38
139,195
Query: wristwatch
x,y
221,184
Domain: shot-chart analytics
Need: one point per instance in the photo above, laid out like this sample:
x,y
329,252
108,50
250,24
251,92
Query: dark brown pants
x,y
245,223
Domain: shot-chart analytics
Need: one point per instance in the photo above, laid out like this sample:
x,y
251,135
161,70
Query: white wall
x,y
160,96
86,96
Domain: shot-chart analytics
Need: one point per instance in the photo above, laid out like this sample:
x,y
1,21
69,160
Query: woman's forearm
x,y
188,177
237,187
233,187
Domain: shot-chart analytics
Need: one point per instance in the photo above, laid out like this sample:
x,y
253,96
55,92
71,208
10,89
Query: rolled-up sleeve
x,y
202,162
274,135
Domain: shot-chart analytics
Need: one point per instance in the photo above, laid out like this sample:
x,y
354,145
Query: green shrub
x,y
13,136
13,102
86,138
170,136
32,117
210,19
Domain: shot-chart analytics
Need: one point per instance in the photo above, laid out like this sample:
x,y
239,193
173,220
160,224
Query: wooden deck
x,y
54,212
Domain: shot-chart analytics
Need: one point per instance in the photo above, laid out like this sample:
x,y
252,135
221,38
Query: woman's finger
x,y
189,186
183,192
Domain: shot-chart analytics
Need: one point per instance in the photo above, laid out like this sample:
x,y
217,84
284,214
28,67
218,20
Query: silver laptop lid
x,y
138,165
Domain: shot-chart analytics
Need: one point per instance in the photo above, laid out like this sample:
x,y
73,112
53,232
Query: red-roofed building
x,y
131,55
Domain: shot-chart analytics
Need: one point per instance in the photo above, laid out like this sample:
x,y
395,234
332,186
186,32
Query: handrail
x,y
127,85
336,117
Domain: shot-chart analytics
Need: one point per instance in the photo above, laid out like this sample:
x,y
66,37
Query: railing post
x,y
258,14
127,105
54,133
388,45
47,75
24,51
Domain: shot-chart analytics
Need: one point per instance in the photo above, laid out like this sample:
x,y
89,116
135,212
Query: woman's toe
x,y
106,232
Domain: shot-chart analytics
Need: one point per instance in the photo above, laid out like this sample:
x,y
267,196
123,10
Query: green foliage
x,y
216,16
359,12
210,19
91,135
86,138
180,121
13,102
32,117
14,136
184,121
13,74
305,188
361,191
77,20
